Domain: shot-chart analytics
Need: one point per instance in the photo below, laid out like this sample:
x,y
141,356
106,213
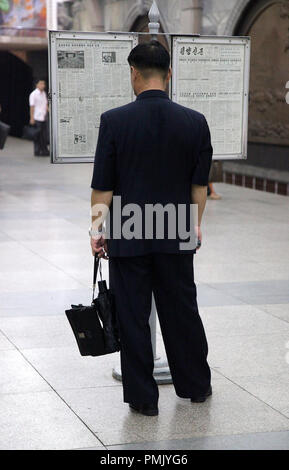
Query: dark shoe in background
x,y
202,398
147,410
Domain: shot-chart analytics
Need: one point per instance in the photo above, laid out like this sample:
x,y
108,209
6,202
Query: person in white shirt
x,y
38,113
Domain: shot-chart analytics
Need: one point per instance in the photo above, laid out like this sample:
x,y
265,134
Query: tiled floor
x,y
52,398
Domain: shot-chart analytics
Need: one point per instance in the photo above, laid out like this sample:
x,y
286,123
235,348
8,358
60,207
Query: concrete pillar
x,y
191,16
96,13
51,14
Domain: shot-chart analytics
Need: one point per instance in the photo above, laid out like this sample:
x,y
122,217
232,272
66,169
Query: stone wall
x,y
177,16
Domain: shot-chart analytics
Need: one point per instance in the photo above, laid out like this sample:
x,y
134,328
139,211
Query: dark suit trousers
x,y
171,278
40,142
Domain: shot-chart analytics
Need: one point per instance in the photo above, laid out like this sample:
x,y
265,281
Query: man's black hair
x,y
150,57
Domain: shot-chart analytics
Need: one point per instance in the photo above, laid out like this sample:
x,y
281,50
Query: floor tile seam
x,y
198,438
236,296
254,396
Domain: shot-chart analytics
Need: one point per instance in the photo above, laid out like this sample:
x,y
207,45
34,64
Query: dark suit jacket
x,y
151,151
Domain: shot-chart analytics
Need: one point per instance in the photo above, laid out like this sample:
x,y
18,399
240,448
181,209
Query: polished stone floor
x,y
51,398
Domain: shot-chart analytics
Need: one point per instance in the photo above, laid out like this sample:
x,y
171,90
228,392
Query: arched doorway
x,y
267,23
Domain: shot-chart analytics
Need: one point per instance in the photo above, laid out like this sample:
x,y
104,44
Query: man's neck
x,y
151,86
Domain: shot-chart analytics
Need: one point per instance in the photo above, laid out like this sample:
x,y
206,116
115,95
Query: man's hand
x,y
32,121
100,203
99,246
199,197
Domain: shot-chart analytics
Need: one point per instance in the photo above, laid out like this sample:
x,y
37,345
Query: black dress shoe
x,y
202,398
148,410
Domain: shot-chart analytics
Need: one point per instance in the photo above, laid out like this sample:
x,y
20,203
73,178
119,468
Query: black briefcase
x,y
4,131
30,132
95,327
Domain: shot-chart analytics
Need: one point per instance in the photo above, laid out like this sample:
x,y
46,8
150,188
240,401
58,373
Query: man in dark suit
x,y
153,152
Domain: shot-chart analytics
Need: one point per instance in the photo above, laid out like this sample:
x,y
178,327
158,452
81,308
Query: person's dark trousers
x,y
171,278
40,142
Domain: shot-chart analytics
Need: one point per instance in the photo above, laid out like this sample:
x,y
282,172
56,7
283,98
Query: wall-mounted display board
x,y
211,75
89,74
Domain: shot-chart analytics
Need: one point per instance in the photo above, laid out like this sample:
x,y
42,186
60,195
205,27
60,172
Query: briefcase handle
x,y
96,266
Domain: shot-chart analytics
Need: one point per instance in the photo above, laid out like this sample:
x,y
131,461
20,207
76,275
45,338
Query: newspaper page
x,y
92,77
210,79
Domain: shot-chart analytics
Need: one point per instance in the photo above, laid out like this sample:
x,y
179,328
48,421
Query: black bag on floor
x,y
4,131
95,327
30,132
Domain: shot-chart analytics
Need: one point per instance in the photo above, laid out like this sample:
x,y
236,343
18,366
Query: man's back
x,y
151,151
